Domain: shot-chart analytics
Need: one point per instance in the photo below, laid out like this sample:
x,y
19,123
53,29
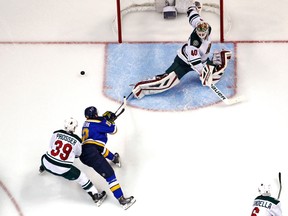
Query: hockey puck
x,y
82,72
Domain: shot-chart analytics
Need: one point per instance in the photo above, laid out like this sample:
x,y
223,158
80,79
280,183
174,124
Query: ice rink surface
x,y
207,161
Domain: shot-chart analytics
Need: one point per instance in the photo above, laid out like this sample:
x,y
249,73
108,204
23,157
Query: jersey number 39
x,y
63,150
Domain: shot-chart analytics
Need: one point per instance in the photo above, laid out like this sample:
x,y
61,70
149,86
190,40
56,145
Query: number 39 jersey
x,y
266,206
63,149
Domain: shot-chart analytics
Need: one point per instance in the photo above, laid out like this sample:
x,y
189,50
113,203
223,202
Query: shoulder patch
x,y
195,43
194,40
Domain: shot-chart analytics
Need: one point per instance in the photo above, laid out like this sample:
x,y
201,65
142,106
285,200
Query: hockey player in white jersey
x,y
265,204
193,56
64,147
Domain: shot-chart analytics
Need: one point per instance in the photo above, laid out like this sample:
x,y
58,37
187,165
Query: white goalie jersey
x,y
192,56
195,52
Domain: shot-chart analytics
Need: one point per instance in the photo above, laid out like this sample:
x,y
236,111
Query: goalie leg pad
x,y
156,85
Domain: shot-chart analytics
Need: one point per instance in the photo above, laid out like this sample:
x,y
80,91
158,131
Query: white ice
x,y
208,161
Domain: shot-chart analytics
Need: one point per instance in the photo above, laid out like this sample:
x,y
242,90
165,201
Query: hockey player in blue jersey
x,y
95,154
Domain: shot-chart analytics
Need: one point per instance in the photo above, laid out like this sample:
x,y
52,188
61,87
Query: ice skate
x,y
98,198
116,160
126,202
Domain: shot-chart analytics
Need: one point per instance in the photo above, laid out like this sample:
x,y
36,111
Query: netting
x,y
131,6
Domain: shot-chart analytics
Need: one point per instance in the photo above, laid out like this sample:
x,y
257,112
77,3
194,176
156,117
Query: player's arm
x,y
107,127
277,210
193,13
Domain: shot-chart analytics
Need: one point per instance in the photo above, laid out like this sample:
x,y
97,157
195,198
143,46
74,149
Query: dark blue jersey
x,y
94,131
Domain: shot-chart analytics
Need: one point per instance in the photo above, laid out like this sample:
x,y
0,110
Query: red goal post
x,y
124,7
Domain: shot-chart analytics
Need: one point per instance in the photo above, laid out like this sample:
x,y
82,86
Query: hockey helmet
x,y
265,189
91,112
202,29
70,125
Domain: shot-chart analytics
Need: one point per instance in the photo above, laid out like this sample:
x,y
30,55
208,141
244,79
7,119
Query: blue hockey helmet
x,y
91,112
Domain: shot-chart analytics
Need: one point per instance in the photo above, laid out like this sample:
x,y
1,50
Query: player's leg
x,y
162,82
92,158
115,158
155,85
74,174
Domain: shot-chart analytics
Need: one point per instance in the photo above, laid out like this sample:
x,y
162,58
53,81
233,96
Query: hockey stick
x,y
122,106
224,98
280,184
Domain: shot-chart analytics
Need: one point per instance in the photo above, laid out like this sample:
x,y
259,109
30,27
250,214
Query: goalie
x,y
193,56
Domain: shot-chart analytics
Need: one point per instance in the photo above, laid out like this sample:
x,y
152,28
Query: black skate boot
x,y
116,159
126,202
98,197
41,169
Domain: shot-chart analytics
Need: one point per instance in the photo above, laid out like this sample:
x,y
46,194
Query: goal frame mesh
x,y
225,25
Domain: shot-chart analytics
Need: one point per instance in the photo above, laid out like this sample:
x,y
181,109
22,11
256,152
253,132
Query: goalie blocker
x,y
210,75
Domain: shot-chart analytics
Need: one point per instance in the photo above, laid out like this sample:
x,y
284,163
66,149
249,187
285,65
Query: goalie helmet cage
x,y
124,7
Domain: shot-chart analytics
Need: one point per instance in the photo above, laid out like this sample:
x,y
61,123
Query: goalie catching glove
x,y
110,116
213,71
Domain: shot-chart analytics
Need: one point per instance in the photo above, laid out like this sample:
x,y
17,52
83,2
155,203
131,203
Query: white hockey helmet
x,y
70,124
202,29
265,189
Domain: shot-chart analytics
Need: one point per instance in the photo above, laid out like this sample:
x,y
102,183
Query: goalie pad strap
x,y
156,85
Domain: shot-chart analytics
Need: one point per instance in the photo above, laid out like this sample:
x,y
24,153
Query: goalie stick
x,y
280,185
227,101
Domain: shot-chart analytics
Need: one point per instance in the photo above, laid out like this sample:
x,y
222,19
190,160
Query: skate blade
x,y
101,201
126,206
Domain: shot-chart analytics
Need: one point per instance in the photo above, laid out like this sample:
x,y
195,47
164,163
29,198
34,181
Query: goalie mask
x,y
202,29
265,189
70,125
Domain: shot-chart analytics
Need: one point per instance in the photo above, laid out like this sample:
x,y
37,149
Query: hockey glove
x,y
220,58
110,116
190,9
196,6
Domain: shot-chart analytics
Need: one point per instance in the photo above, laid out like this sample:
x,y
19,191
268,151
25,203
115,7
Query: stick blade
x,y
235,100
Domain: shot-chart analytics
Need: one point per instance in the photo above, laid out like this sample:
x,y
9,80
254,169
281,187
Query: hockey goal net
x,y
136,19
